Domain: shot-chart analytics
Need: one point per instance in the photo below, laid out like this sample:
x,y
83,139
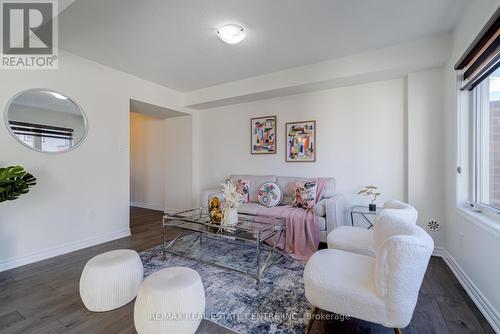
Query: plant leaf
x,y
14,182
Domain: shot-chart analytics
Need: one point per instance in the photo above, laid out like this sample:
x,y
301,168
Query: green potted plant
x,y
370,191
14,182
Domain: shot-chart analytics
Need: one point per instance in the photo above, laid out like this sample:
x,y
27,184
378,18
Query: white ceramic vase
x,y
230,216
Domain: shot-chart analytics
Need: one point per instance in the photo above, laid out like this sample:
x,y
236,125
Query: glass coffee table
x,y
241,248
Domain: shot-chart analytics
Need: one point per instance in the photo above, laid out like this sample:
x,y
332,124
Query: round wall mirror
x,y
45,121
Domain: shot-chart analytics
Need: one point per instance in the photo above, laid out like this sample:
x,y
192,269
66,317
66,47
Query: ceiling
x,y
43,99
173,42
153,110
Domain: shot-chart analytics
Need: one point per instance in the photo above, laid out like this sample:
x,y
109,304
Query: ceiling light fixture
x,y
231,33
59,96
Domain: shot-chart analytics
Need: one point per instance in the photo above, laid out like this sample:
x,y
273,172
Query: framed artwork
x,y
301,141
263,135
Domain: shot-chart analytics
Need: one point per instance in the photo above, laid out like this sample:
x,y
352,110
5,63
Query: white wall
x,y
82,197
178,178
161,162
426,147
360,138
147,161
387,133
473,246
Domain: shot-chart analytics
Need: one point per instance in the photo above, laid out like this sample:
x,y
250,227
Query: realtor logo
x,y
29,34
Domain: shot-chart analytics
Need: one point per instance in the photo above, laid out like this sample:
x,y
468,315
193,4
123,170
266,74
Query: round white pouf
x,y
111,280
170,301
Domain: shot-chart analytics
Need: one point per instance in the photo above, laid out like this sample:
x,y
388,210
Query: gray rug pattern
x,y
232,300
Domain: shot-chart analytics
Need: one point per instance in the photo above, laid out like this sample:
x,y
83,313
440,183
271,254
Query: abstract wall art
x,y
263,135
301,141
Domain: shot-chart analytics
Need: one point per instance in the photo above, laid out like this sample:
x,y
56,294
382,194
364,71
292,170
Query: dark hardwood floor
x,y
43,297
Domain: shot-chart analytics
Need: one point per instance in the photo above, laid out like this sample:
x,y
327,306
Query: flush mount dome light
x,y
231,33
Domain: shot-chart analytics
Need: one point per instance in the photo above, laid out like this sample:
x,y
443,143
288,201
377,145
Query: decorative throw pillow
x,y
304,194
269,194
243,188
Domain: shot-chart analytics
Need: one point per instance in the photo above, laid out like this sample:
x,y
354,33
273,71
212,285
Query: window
x,y
487,141
43,137
479,73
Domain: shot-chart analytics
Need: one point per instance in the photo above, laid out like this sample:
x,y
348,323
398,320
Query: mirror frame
x,y
7,125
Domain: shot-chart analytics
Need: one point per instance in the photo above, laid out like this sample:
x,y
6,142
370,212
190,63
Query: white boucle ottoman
x,y
170,301
111,280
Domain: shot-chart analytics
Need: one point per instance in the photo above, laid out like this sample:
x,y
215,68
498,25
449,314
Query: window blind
x,y
483,56
39,130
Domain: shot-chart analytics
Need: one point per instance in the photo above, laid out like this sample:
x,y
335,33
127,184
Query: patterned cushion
x,y
270,194
287,186
305,194
287,183
243,188
255,182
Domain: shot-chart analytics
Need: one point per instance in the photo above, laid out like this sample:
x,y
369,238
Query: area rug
x,y
232,300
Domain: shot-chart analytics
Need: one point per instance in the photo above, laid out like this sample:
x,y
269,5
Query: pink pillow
x,y
304,194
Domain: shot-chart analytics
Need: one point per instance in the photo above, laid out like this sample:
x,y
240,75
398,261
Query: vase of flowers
x,y
230,216
232,199
370,191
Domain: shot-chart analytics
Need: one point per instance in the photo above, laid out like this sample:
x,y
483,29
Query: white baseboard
x,y
439,252
146,206
45,254
155,207
488,311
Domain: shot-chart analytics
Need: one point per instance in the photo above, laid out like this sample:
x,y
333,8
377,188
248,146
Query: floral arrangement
x,y
232,197
370,191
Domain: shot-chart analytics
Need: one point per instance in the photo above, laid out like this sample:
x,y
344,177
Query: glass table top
x,y
247,228
365,210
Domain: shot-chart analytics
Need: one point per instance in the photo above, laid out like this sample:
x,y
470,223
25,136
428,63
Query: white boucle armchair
x,y
360,240
381,289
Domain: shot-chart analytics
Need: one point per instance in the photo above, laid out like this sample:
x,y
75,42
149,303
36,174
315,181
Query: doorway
x,y
151,165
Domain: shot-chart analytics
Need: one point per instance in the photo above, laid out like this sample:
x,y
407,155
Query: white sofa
x,y
329,208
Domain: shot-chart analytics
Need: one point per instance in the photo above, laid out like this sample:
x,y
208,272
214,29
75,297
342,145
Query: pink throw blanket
x,y
301,237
